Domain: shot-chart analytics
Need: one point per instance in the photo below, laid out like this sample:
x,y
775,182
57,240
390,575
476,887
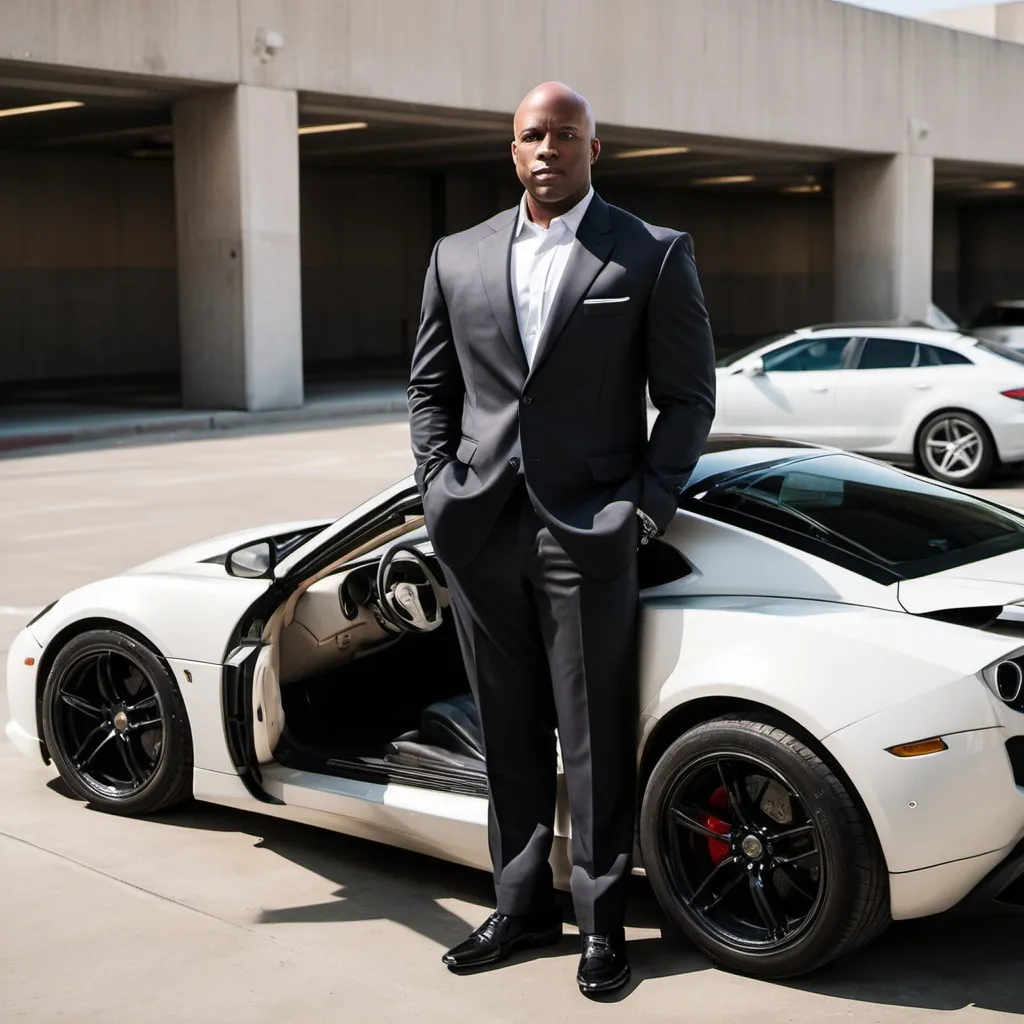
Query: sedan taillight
x,y
1017,393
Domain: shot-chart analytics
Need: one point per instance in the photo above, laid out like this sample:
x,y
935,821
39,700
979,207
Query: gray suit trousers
x,y
546,646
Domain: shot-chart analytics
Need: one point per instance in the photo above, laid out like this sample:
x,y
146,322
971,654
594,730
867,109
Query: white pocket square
x,y
603,302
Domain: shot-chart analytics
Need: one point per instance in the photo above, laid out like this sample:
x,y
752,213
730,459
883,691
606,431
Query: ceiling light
x,y
319,129
629,154
41,108
801,189
726,179
999,186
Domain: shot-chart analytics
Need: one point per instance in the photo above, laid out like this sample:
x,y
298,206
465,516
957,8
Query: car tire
x,y
952,427
115,724
823,904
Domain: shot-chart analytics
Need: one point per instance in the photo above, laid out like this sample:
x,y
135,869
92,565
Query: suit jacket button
x,y
514,462
527,400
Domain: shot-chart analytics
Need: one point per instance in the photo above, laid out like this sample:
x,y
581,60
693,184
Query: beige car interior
x,y
309,635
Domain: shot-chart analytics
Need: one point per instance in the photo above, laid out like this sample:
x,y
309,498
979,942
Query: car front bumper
x,y
22,672
1001,890
945,821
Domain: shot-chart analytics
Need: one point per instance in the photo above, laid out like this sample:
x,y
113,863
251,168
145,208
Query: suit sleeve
x,y
436,387
681,380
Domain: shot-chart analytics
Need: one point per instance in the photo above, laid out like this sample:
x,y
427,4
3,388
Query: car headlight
x,y
1006,680
35,618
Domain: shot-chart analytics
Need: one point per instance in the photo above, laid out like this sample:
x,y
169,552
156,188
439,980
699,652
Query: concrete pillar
x,y
236,179
883,213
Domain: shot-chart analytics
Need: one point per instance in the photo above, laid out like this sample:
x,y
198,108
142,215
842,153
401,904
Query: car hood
x,y
206,557
992,581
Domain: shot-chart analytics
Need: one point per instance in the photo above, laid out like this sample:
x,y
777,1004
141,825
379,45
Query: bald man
x,y
540,330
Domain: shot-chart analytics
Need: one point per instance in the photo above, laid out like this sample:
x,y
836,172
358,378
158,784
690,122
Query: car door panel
x,y
891,388
794,405
793,397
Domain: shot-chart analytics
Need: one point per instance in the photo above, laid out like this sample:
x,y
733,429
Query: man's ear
x,y
513,151
595,151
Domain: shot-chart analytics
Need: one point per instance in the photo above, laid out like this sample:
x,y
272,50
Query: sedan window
x,y
811,354
866,516
931,355
887,354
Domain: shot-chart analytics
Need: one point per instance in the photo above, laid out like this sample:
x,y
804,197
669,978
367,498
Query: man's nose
x,y
547,149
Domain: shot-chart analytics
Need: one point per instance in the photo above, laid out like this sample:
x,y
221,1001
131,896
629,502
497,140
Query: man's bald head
x,y
553,147
547,94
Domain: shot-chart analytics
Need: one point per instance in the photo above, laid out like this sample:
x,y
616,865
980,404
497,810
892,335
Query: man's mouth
x,y
545,172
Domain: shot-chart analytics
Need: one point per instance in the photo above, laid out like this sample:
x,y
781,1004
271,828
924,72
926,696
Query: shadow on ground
x,y
938,963
943,963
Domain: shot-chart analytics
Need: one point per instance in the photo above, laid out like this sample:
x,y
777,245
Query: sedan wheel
x,y
956,448
757,852
115,724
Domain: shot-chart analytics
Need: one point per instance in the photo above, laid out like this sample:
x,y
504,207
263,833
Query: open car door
x,y
253,712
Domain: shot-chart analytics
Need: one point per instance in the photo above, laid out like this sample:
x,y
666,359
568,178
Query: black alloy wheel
x,y
757,852
115,724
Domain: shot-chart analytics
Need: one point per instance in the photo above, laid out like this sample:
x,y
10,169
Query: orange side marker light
x,y
919,748
30,662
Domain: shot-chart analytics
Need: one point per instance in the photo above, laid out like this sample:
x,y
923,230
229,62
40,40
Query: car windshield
x,y
871,518
742,353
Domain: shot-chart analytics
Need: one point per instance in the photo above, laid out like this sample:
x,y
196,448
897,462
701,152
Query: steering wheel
x,y
409,606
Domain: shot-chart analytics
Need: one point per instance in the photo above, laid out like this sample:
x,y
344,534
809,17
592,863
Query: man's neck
x,y
542,214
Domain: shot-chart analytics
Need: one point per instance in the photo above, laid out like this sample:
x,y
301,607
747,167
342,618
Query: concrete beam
x,y
810,73
883,209
237,209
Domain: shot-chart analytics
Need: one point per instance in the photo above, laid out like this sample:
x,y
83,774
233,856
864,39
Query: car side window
x,y
887,354
810,354
933,356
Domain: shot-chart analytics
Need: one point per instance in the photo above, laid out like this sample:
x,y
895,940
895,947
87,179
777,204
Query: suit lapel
x,y
494,252
590,252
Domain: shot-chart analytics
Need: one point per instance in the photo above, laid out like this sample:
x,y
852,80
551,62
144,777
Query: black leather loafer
x,y
603,965
501,935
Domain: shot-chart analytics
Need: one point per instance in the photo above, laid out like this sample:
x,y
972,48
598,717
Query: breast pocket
x,y
611,306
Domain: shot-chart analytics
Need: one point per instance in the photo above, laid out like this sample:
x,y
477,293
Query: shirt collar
x,y
570,220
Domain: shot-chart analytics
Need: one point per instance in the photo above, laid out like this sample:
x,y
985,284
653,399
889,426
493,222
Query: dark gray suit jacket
x,y
575,425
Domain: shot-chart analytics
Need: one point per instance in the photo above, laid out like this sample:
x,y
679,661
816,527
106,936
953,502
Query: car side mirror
x,y
754,369
252,561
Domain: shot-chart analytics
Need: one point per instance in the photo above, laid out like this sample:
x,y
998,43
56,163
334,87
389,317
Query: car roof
x,y
926,335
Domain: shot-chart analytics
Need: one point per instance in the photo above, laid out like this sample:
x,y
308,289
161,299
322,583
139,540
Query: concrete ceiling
x,y
134,121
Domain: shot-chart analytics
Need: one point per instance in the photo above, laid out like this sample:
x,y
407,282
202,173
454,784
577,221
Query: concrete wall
x,y
807,72
366,240
1003,21
980,19
991,254
87,267
765,262
946,259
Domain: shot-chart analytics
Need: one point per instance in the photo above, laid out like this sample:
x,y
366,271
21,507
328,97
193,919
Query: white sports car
x,y
830,718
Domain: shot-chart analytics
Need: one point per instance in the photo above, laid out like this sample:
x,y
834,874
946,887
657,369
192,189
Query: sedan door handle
x,y
922,386
819,388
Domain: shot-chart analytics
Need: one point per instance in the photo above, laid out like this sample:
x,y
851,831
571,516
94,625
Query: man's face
x,y
553,149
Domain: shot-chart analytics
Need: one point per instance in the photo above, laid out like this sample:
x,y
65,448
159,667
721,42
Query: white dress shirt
x,y
539,256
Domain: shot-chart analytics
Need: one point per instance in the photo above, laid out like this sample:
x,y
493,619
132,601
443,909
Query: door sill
x,y
464,781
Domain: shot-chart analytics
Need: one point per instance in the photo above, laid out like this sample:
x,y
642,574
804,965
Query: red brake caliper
x,y
717,851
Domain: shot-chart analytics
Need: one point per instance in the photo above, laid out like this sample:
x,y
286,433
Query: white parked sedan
x,y
950,404
830,717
